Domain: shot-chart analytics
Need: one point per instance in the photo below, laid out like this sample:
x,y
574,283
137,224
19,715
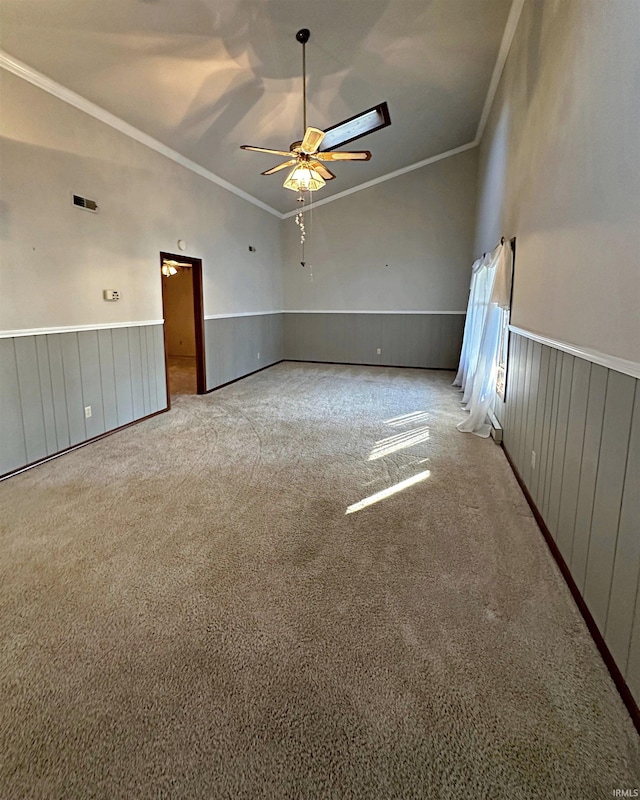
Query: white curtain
x,y
488,301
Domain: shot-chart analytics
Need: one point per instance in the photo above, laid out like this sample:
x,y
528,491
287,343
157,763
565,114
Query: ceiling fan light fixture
x,y
303,178
168,269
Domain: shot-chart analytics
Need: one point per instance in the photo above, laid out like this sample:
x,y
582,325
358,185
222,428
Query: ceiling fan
x,y
306,161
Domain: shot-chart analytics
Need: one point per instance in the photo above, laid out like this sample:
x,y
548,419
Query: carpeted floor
x,y
188,610
182,375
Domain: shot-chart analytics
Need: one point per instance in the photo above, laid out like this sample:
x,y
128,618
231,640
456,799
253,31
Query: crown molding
x,y
418,165
501,60
623,365
27,73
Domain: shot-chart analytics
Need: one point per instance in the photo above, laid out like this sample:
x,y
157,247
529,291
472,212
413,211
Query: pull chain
x,y
301,226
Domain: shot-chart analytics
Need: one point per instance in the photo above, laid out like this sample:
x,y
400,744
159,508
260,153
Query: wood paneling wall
x,y
405,340
47,381
237,346
582,420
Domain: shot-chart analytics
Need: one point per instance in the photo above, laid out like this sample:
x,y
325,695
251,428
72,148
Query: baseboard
x,y
70,449
496,427
309,361
242,377
362,364
607,657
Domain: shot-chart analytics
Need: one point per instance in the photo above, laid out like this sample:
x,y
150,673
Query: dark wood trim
x,y
166,355
607,657
198,308
198,320
246,375
70,449
363,364
513,275
198,313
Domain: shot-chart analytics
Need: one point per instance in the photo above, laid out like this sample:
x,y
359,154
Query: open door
x,y
183,312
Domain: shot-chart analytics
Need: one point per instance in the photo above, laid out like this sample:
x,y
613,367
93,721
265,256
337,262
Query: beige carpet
x,y
188,611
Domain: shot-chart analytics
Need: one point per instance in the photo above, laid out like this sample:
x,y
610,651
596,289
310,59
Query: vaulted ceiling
x,y
205,76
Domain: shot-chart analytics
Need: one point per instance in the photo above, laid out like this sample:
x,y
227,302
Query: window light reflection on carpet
x,y
408,419
398,442
382,495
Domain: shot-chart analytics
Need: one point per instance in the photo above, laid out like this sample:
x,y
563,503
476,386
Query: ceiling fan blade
x,y
322,170
312,140
373,119
286,164
341,155
265,150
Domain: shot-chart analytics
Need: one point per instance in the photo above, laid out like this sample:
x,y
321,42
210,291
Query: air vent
x,y
84,202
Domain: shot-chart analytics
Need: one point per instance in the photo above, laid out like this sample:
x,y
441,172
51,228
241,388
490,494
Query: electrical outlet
x,y
533,459
109,294
379,351
87,412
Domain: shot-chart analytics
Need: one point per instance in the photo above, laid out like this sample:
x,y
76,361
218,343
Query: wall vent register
x,y
84,202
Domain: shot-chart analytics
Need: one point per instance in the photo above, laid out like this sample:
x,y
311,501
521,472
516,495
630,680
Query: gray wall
x,y
402,245
48,380
147,202
405,340
558,170
236,346
582,420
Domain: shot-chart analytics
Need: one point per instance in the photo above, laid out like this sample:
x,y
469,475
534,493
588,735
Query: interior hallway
x,y
307,584
182,375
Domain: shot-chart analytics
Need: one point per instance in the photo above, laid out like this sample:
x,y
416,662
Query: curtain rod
x,y
496,247
501,242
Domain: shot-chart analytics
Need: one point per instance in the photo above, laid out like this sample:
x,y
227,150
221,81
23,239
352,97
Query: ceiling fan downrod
x,y
303,37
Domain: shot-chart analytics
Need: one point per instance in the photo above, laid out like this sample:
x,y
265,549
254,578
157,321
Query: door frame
x,y
198,319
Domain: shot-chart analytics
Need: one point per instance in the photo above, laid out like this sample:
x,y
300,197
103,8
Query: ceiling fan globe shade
x,y
304,179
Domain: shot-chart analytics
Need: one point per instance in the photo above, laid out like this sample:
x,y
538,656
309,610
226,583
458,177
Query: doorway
x,y
183,312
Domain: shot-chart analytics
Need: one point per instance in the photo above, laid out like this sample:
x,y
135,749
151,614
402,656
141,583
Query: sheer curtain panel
x,y
489,297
